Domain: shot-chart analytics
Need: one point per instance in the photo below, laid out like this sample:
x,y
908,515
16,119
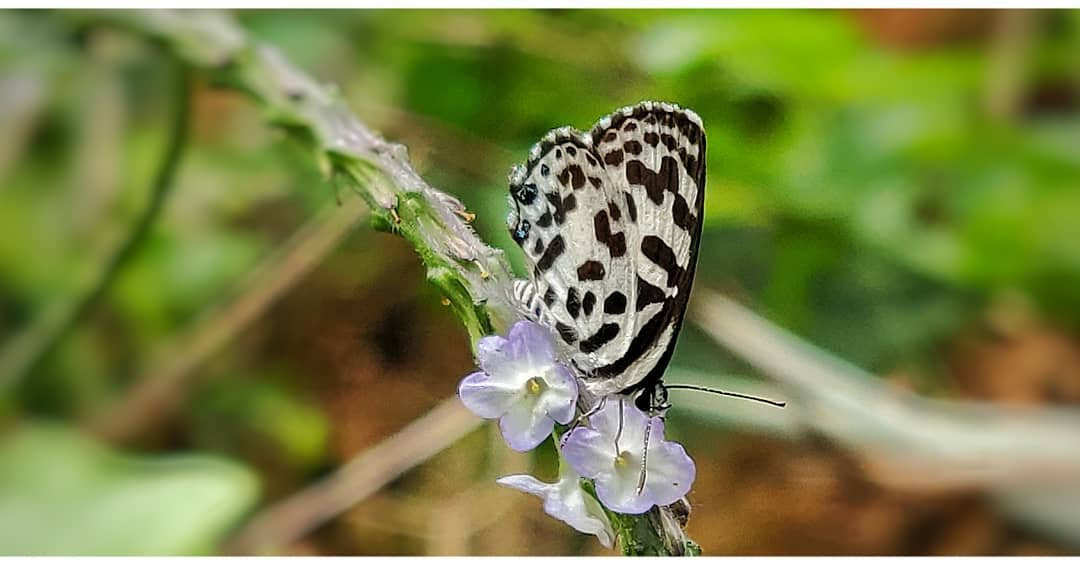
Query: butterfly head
x,y
526,210
653,399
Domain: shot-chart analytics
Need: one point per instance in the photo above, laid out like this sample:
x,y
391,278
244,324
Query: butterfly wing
x,y
614,269
654,155
577,253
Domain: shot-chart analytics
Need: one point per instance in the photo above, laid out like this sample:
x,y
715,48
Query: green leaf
x,y
61,493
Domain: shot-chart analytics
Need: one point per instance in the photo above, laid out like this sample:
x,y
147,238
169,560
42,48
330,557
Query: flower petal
x,y
566,501
491,354
617,471
527,484
531,343
578,509
589,452
560,397
620,418
618,491
669,472
488,397
523,426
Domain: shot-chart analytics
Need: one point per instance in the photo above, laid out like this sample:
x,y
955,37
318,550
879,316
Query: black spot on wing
x,y
691,165
606,333
602,227
567,333
655,182
614,158
614,210
652,138
577,176
590,271
647,337
588,302
539,247
632,147
569,203
554,249
525,193
691,131
660,253
647,294
558,210
564,177
631,207
680,213
573,303
617,244
615,303
549,296
544,220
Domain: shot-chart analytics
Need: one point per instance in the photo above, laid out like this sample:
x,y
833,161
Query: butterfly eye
x,y
526,193
522,232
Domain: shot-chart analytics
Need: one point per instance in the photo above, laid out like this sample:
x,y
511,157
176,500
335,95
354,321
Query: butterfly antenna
x,y
726,393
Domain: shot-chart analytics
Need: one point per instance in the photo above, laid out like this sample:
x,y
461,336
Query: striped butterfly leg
x,y
582,419
530,303
656,404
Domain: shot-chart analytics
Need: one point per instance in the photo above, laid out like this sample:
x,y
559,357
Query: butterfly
x,y
610,224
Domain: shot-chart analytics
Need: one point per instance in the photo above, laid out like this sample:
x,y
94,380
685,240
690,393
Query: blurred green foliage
x,y
867,191
61,494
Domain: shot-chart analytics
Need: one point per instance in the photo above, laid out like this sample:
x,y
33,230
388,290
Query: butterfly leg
x,y
530,303
644,456
657,400
618,434
582,418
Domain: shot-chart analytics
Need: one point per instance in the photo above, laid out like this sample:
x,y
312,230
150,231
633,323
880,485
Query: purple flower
x,y
567,501
611,452
521,383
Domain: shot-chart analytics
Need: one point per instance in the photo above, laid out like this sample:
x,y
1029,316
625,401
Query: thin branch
x,y
287,521
1028,459
162,386
858,409
27,350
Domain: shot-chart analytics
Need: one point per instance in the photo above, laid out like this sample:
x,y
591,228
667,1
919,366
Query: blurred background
x,y
899,188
